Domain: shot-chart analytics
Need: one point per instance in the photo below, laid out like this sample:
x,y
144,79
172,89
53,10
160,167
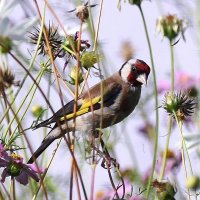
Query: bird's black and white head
x,y
135,72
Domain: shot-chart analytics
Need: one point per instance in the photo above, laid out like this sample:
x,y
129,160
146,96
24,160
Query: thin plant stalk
x,y
164,158
156,103
179,123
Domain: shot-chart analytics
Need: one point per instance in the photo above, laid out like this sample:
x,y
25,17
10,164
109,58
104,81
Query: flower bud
x,y
73,76
37,110
170,26
6,45
88,59
135,2
192,182
82,12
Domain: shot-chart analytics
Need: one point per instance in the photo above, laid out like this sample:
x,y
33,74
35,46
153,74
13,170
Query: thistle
x,y
181,104
54,41
7,79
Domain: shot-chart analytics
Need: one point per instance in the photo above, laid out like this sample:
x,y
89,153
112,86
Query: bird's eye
x,y
133,69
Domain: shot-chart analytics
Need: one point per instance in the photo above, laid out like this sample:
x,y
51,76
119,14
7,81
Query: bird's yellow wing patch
x,y
86,104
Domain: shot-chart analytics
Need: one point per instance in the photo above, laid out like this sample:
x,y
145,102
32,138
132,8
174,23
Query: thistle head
x,y
180,104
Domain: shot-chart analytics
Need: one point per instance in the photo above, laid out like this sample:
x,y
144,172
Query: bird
x,y
103,105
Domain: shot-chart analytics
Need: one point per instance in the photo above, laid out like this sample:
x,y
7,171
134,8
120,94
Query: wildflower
x,y
82,11
3,153
180,104
165,191
192,182
73,76
88,59
170,26
37,110
127,51
53,38
7,79
13,166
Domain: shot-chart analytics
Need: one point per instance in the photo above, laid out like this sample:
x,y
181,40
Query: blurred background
x,y
121,35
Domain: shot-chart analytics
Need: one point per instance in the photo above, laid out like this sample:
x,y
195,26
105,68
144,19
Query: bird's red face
x,y
135,72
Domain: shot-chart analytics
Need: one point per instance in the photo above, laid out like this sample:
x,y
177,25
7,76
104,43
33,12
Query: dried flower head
x,y
6,79
164,190
171,26
72,76
127,51
53,38
82,11
179,103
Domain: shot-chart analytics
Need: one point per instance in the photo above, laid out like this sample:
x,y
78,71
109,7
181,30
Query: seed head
x,y
180,103
53,38
82,11
6,79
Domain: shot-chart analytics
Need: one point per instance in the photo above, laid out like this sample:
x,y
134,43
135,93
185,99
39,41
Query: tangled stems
x,y
184,149
156,102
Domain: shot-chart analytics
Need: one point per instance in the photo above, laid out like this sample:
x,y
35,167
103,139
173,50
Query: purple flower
x,y
3,153
13,166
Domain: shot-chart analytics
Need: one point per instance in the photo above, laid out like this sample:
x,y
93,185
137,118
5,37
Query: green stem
x,y
156,103
164,158
169,119
23,101
183,149
172,66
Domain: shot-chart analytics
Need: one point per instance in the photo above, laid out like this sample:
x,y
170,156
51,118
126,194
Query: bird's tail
x,y
45,143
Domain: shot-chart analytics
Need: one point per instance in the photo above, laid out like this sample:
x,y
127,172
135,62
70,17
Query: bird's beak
x,y
142,78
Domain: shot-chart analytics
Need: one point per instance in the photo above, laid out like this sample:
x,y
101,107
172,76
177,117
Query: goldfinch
x,y
97,109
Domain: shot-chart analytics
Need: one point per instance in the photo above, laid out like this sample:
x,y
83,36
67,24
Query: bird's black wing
x,y
83,106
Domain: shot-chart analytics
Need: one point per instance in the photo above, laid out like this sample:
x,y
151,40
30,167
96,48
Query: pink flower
x,y
184,81
163,86
13,166
172,163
